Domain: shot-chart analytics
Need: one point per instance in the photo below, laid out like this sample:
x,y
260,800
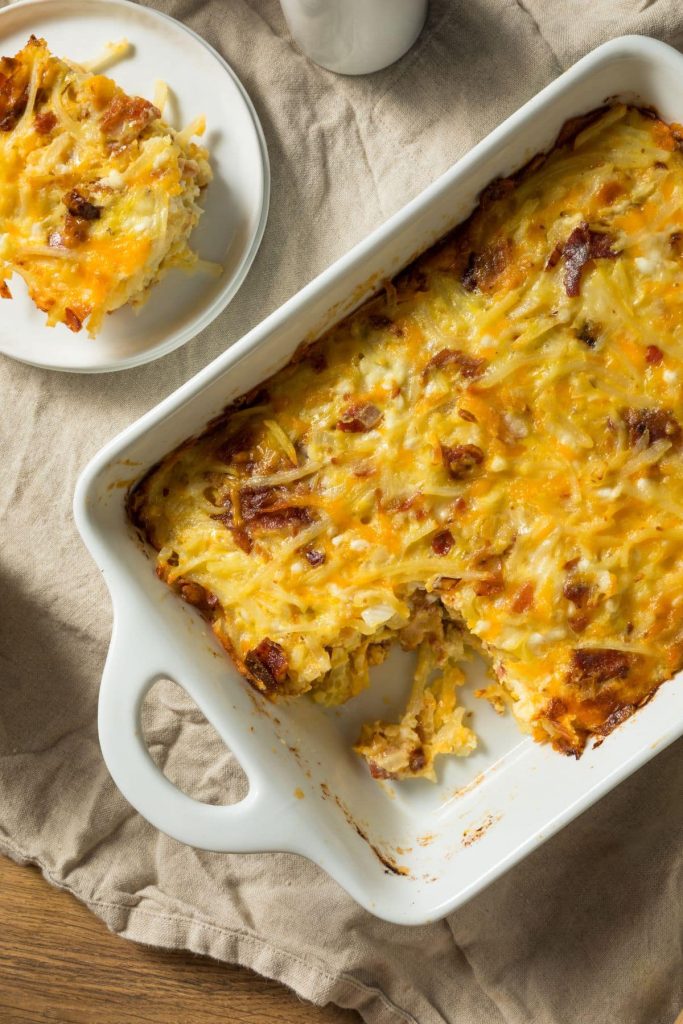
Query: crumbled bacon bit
x,y
555,708
676,242
610,191
469,366
197,595
72,321
442,542
523,599
597,665
581,248
378,772
359,417
461,459
45,122
78,206
417,759
467,416
576,591
5,293
484,268
13,94
314,557
127,116
652,424
653,355
267,663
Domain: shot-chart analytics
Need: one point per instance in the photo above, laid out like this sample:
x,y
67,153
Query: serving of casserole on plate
x,y
483,460
134,184
99,194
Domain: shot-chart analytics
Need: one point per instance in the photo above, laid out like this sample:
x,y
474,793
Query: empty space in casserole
x,y
487,455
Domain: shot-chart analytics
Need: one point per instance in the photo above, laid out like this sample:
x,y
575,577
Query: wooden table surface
x,y
60,965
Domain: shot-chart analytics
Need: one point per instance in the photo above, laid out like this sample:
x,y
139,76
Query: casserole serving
x,y
418,855
99,194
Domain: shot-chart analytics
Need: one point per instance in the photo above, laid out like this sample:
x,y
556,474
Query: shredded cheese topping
x,y
489,451
98,195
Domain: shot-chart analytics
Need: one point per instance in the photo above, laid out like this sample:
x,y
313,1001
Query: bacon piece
x,y
461,459
581,248
484,268
74,232
442,542
5,293
45,122
79,207
469,366
576,591
653,355
676,242
610,191
417,759
378,772
268,664
126,117
13,93
314,557
197,595
269,508
597,665
72,321
654,424
359,417
523,599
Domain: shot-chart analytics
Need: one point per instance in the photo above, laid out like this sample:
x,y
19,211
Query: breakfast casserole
x,y
98,195
485,457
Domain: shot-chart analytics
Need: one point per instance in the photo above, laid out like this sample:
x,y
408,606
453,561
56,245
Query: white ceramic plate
x,y
235,203
409,852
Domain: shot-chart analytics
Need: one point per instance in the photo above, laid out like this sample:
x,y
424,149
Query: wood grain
x,y
60,965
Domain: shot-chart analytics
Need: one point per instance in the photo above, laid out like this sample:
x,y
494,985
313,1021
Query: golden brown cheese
x,y
97,193
491,451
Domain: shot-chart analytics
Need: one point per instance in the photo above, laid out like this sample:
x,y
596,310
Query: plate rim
x,y
223,299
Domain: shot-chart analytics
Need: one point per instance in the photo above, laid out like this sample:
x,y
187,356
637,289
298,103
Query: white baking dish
x,y
408,852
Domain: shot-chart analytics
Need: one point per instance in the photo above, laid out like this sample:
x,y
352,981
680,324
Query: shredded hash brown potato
x,y
488,454
98,195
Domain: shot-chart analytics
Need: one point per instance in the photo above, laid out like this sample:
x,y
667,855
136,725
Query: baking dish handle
x,y
257,823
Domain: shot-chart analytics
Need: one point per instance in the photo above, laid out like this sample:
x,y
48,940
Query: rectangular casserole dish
x,y
407,852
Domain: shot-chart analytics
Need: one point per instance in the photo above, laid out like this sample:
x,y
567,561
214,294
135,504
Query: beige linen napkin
x,y
588,928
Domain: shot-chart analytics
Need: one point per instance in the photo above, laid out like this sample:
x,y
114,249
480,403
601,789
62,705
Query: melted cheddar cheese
x,y
97,193
489,452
